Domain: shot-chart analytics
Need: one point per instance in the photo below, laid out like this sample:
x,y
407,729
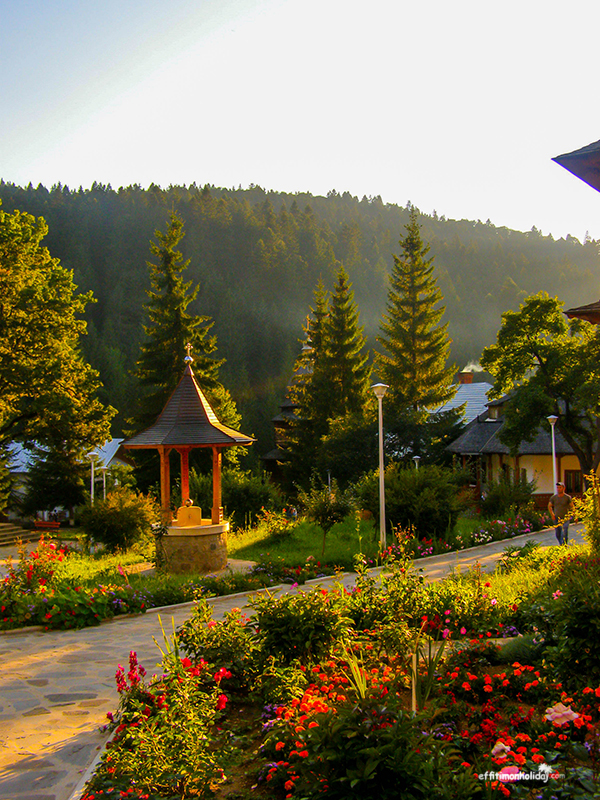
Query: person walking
x,y
559,506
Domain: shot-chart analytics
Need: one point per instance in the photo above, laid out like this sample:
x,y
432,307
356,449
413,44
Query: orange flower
x,y
279,746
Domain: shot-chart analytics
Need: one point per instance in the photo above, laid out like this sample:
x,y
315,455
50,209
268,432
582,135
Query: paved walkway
x,y
56,687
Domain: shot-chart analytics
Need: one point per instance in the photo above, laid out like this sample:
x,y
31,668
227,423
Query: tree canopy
x,y
256,255
331,376
415,344
48,392
549,366
171,328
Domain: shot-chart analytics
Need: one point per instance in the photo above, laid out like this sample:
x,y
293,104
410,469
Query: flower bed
x,y
322,682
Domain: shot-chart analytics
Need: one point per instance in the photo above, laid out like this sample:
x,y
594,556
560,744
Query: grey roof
x,y
474,395
188,419
21,458
481,437
109,453
583,163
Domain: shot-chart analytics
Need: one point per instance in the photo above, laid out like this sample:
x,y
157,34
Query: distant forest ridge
x,y
257,256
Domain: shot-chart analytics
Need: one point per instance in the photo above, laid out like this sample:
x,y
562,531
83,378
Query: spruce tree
x,y
345,358
415,345
331,376
309,392
170,329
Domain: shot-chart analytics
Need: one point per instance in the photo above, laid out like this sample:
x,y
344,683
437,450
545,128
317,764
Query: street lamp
x,y
553,419
92,456
380,389
416,459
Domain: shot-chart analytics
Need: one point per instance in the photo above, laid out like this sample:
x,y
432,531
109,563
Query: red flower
x,y
221,702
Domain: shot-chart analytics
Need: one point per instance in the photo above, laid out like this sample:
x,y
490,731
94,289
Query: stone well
x,y
193,544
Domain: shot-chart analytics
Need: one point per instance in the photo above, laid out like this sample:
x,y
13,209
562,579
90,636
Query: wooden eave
x,y
590,313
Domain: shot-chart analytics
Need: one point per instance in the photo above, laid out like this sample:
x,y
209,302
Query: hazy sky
x,y
457,106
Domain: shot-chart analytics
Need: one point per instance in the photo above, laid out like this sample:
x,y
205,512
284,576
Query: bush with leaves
x,y
302,626
425,499
506,496
327,505
122,520
227,644
587,510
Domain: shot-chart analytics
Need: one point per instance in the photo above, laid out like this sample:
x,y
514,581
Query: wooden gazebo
x,y
187,422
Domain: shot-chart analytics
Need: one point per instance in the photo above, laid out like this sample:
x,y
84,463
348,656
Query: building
x,y
480,450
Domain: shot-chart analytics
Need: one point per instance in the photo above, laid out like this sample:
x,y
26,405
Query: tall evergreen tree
x,y
345,359
416,346
331,376
171,328
309,392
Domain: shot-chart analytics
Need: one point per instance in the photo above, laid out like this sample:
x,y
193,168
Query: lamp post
x,y
416,459
380,389
553,419
92,456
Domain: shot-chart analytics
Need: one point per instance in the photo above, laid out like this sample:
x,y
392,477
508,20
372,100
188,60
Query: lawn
x,y
295,544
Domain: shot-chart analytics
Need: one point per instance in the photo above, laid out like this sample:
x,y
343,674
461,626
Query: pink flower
x,y
445,633
463,631
493,601
560,714
557,594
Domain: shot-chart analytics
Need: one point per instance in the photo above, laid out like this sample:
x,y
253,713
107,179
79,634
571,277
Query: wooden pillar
x,y
165,483
184,457
217,509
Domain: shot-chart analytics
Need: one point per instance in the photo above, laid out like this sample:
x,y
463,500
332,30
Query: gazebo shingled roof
x,y
186,422
188,419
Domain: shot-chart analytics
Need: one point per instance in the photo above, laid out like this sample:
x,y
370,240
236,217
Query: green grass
x,y
343,541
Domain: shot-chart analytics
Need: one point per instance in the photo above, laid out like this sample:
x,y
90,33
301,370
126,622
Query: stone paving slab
x,y
56,687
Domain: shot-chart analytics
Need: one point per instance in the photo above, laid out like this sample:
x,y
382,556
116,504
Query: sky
x,y
457,107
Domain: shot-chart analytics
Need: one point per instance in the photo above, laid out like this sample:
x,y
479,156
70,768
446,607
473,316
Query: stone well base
x,y
201,548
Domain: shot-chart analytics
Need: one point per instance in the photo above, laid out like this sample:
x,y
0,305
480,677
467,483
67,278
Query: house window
x,y
573,484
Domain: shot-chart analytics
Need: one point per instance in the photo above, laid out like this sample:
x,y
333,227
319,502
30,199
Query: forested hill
x,y
258,255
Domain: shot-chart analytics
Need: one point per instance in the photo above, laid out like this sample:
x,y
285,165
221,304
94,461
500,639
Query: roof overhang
x,y
583,163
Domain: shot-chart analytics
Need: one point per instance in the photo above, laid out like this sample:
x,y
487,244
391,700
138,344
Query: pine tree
x,y
345,359
171,328
331,377
416,346
309,392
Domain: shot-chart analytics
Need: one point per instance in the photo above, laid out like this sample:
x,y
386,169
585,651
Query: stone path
x,y
57,687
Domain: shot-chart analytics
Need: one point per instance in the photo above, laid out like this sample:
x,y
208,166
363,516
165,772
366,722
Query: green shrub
x,y
327,506
228,644
587,510
425,499
506,496
244,495
302,626
124,518
161,744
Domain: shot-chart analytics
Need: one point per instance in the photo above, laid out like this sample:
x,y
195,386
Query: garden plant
x,y
309,695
